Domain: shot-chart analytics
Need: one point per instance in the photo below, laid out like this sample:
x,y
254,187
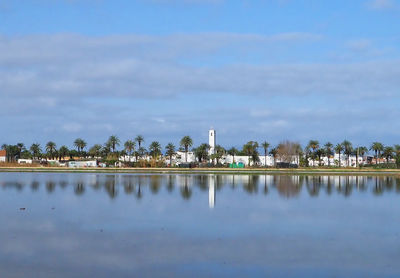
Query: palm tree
x,y
377,148
95,151
265,146
339,149
397,149
51,148
298,151
274,153
348,149
141,152
250,149
360,151
113,141
314,146
35,150
328,151
388,153
186,143
21,147
155,149
201,152
170,151
80,144
139,139
233,151
319,153
129,147
219,152
62,152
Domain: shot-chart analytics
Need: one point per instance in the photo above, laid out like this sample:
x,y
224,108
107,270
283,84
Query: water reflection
x,y
121,225
286,186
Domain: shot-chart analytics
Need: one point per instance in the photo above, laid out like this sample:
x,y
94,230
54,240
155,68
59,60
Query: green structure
x,y
238,165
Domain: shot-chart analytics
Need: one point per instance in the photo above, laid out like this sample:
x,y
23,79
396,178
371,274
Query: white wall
x,y
82,164
24,161
334,161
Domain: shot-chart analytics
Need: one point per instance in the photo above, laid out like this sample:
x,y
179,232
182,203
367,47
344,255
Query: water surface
x,y
154,225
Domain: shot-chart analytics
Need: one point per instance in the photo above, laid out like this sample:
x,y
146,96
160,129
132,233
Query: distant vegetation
x,y
111,151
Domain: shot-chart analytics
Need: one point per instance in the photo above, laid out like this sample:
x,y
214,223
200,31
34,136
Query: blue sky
x,y
254,70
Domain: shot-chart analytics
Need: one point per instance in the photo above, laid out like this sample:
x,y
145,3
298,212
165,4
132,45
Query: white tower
x,y
211,141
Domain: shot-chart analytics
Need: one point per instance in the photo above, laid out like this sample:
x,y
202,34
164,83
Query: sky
x,y
269,70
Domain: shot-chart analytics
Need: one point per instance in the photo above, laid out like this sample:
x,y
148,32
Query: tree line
x,y
285,151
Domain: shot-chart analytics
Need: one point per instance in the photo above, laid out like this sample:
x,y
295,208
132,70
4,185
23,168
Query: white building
x,y
3,155
82,164
334,160
24,161
211,141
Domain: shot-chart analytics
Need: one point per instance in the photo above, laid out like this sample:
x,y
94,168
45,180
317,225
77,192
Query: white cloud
x,y
104,85
382,4
72,127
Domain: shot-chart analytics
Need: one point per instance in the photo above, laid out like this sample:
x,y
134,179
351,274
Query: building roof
x,y
3,153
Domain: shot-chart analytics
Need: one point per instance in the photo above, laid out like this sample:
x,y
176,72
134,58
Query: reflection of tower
x,y
211,191
211,141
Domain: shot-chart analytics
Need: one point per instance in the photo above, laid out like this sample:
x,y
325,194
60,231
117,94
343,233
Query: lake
x,y
200,225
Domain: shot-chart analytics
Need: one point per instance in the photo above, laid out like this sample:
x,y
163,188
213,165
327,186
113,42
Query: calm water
x,y
102,225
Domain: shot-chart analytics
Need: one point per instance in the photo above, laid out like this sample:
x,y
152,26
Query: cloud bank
x,y
98,85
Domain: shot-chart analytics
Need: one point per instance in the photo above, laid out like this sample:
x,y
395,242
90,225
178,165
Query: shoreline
x,y
270,171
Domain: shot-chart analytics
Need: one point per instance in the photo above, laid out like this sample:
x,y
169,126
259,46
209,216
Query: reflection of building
x,y
211,191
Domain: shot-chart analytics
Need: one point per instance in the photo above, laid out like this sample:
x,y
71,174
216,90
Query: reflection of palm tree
x,y
287,186
79,189
50,186
63,184
397,181
155,184
329,186
251,185
139,193
265,185
170,184
378,189
110,186
128,185
186,192
313,187
348,187
35,185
